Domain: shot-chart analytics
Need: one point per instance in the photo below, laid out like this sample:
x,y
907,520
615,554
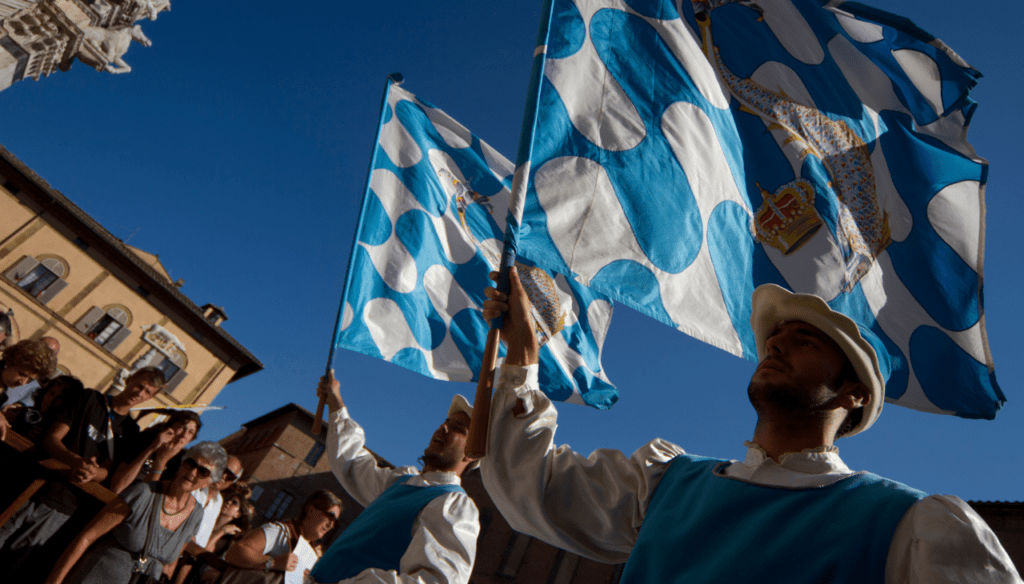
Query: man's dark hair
x,y
322,500
853,417
71,386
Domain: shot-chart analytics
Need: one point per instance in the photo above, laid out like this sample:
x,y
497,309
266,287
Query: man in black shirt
x,y
87,436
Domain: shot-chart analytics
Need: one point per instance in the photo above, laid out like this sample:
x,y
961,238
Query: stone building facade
x,y
38,37
112,308
285,463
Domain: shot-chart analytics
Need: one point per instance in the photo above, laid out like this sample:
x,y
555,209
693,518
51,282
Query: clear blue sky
x,y
237,150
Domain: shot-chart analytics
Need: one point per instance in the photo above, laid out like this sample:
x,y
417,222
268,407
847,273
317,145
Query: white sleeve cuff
x,y
521,380
340,415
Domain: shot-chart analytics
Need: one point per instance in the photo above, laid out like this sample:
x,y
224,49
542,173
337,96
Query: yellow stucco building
x,y
113,308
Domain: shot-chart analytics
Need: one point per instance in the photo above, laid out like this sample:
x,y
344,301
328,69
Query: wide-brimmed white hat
x,y
460,404
773,305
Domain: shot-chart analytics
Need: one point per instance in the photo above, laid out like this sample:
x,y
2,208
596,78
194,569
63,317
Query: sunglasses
x,y
204,472
334,518
229,476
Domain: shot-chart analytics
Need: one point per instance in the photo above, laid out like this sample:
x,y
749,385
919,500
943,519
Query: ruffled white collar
x,y
822,459
446,477
434,477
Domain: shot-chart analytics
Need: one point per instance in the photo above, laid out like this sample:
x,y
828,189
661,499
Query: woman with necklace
x,y
145,529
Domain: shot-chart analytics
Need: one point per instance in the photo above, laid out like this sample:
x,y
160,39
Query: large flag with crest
x,y
685,152
429,233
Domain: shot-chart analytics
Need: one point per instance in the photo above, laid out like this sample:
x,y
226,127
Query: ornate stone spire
x,y
38,37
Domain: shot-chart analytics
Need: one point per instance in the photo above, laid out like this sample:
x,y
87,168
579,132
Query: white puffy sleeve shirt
x,y
444,533
594,505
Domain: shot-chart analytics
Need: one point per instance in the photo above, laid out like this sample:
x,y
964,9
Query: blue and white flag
x,y
685,152
429,234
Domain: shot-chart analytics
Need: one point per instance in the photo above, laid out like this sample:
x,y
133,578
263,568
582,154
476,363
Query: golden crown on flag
x,y
786,218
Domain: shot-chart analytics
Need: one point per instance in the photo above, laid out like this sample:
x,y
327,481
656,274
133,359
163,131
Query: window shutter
x,y
21,269
314,453
118,315
284,506
119,337
175,380
52,290
54,266
92,317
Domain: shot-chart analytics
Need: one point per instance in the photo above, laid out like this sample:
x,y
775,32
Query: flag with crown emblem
x,y
429,233
685,152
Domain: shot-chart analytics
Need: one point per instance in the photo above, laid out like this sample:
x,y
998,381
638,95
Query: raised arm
x,y
517,330
219,533
250,552
126,472
353,465
592,506
164,455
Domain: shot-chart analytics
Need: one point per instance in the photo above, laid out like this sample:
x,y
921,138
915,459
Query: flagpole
x,y
477,447
396,79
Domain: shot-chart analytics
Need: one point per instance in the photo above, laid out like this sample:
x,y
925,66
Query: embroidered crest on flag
x,y
685,152
430,232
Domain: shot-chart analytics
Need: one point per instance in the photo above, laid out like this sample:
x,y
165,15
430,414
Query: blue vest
x,y
702,527
380,534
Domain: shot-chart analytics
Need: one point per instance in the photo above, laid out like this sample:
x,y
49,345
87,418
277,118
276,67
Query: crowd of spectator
x,y
181,514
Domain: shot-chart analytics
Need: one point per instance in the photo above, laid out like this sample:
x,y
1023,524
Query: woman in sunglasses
x,y
234,520
284,547
143,530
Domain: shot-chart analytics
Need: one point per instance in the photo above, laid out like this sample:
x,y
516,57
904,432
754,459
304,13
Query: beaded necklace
x,y
168,513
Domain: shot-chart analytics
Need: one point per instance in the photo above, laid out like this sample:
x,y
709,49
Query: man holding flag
x,y
418,526
790,511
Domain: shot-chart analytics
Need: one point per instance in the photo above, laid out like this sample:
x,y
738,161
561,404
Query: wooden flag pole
x,y
320,405
393,79
477,447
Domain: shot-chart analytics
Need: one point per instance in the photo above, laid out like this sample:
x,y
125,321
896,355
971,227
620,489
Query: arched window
x,y
108,327
114,320
173,368
7,325
40,279
174,371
